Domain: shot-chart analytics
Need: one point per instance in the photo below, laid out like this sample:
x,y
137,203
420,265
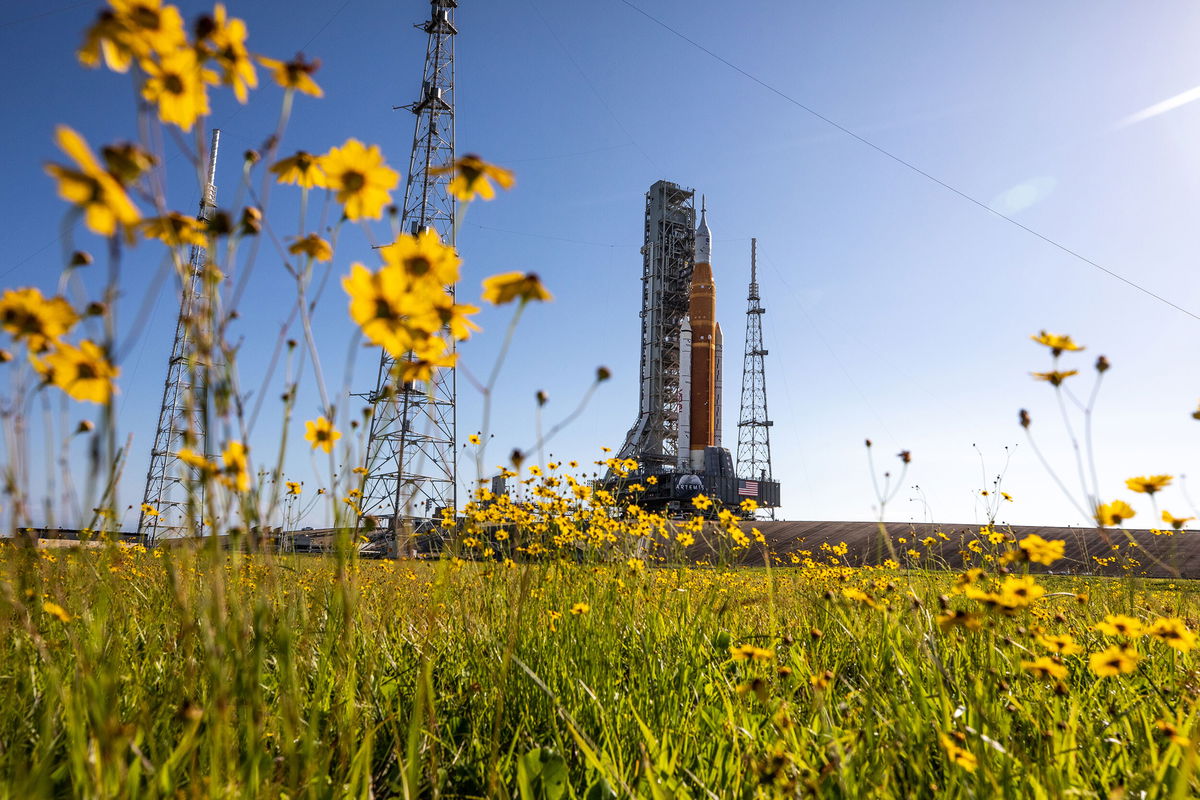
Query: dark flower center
x,y
353,181
417,265
173,84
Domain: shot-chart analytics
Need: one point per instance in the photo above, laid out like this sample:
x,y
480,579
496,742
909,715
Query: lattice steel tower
x,y
182,418
754,426
667,261
411,466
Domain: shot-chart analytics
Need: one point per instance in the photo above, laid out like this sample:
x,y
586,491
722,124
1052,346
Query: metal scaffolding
x,y
411,454
754,425
667,261
173,503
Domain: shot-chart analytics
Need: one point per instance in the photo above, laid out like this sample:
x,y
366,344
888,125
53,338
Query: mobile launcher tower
x,y
677,436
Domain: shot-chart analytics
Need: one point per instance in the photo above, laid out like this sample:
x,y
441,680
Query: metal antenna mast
x,y
182,421
754,426
411,455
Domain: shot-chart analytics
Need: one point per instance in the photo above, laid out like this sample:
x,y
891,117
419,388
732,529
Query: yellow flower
x,y
149,510
1045,667
1063,644
423,258
580,608
321,433
473,438
176,230
132,28
1171,732
443,314
748,652
381,304
224,39
83,372
195,460
471,178
960,618
1114,513
1120,625
959,755
1019,592
103,200
1116,660
236,474
55,610
1175,522
702,502
1056,342
1174,632
295,74
303,169
312,246
749,505
126,162
1040,551
509,286
26,315
360,178
1148,484
177,85
423,359
1056,377
293,487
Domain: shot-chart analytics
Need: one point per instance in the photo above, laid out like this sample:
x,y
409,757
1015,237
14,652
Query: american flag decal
x,y
748,489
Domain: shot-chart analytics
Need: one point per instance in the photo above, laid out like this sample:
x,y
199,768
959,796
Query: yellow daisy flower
x,y
473,177
506,287
83,372
38,321
1114,513
321,433
312,246
360,178
176,230
1149,484
423,258
224,39
295,74
303,169
93,189
1116,660
1056,342
236,473
177,85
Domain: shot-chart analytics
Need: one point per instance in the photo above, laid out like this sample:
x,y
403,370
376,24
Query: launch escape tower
x,y
754,426
677,436
411,467
182,417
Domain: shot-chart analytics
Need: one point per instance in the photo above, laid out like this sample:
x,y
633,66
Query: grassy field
x,y
182,673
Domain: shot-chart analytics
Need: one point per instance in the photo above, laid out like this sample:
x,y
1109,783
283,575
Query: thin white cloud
x,y
1170,104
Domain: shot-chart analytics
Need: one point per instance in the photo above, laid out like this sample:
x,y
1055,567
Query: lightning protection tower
x,y
182,417
411,468
754,426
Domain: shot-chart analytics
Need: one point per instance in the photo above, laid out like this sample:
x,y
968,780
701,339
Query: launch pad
x,y
676,440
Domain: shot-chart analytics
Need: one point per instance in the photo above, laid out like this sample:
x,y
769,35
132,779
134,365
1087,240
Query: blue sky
x,y
897,310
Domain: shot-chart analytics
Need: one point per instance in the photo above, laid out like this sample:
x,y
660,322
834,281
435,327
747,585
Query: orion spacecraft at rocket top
x,y
677,436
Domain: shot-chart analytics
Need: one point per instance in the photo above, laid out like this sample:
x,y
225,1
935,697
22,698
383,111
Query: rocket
x,y
703,342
